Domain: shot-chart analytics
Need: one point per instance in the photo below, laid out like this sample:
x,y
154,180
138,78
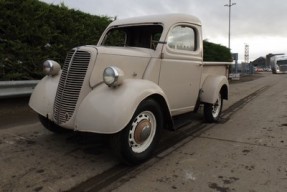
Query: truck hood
x,y
126,51
132,61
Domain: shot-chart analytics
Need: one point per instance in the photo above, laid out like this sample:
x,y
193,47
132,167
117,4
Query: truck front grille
x,y
71,82
283,67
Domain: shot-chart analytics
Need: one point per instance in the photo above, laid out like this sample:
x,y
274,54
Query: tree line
x,y
32,31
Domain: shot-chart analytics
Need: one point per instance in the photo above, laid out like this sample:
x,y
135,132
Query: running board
x,y
182,120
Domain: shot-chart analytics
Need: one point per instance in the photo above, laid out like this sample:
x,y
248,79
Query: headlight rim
x,y
117,75
51,67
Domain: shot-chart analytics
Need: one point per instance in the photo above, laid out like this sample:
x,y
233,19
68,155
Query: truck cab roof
x,y
165,19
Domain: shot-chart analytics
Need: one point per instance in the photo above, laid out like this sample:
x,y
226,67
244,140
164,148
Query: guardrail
x,y
10,89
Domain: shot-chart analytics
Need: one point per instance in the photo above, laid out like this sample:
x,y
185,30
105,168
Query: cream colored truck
x,y
143,72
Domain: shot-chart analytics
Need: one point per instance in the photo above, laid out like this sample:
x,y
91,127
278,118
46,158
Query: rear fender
x,y
108,110
211,87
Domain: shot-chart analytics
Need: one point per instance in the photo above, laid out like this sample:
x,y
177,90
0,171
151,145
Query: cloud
x,y
252,22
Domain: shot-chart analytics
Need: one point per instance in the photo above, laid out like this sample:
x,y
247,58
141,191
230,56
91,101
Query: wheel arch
x,y
212,86
168,123
224,92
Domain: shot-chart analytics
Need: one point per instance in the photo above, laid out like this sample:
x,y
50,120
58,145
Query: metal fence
x,y
10,89
243,68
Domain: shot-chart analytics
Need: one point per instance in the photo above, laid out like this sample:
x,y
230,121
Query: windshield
x,y
281,62
144,36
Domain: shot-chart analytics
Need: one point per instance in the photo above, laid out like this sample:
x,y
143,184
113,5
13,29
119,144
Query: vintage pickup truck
x,y
143,72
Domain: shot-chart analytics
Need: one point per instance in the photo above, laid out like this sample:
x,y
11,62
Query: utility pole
x,y
229,6
246,55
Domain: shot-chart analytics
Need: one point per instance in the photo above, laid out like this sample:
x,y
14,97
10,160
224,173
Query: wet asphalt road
x,y
247,152
15,112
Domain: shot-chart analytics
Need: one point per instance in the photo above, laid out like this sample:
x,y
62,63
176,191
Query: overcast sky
x,y
259,24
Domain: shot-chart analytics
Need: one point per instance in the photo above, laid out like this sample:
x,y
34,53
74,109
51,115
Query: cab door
x,y
181,67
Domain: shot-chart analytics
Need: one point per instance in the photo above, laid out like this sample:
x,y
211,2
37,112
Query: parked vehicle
x,y
143,72
279,64
259,69
267,69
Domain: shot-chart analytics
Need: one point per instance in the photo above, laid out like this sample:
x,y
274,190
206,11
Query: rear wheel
x,y
137,141
212,111
51,126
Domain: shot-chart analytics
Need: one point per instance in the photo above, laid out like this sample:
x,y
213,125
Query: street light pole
x,y
229,6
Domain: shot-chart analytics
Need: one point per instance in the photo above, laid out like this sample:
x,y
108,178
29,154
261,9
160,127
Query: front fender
x,y
43,96
211,87
108,110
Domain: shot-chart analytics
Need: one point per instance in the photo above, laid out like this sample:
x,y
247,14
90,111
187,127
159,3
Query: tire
x,y
51,126
137,141
212,112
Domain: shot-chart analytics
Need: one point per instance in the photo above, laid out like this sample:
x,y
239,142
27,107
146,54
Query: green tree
x,y
32,31
215,52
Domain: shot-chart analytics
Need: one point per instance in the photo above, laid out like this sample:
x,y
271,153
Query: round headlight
x,y
51,67
113,76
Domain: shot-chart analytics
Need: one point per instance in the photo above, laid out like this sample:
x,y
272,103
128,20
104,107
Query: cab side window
x,y
182,38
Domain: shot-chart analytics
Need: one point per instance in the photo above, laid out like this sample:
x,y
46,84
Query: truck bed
x,y
216,68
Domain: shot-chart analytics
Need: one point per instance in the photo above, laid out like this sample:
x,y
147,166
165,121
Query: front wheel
x,y
137,141
212,111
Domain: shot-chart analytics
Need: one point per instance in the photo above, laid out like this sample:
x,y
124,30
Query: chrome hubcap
x,y
142,131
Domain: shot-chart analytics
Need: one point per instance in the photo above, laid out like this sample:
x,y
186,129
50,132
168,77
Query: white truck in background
x,y
278,64
143,72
